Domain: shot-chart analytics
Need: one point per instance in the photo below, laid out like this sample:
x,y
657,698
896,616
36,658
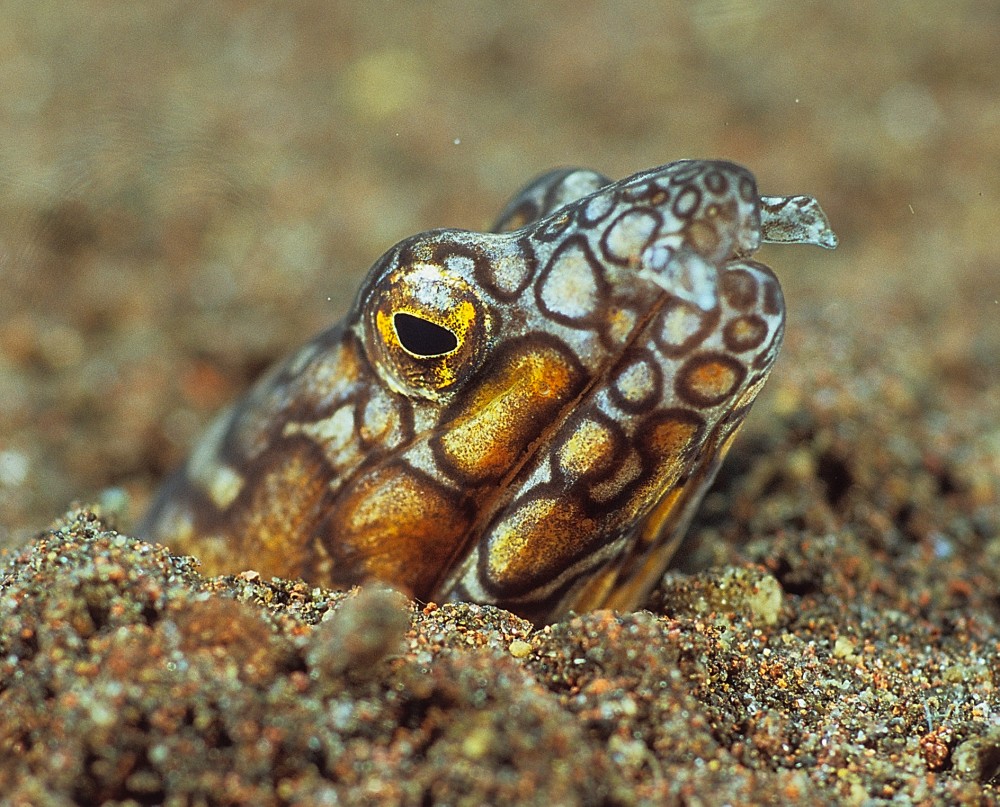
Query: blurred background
x,y
189,190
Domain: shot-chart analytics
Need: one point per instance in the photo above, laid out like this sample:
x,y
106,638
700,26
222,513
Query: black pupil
x,y
423,338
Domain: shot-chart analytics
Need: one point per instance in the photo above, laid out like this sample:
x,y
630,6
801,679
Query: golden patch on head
x,y
671,436
667,446
276,521
506,411
588,451
536,541
397,525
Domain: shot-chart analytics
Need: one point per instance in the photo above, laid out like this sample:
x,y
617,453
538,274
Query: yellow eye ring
x,y
428,328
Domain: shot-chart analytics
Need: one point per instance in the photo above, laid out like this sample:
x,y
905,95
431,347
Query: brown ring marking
x,y
419,248
521,586
522,600
675,416
317,406
409,552
744,333
766,355
636,356
773,300
716,182
683,174
708,322
444,249
557,483
600,282
486,278
404,411
243,430
609,201
651,213
645,193
687,202
709,379
284,502
648,458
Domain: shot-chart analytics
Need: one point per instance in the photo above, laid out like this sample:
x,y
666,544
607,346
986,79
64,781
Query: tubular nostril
x,y
795,220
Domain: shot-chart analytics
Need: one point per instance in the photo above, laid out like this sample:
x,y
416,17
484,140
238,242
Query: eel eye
x,y
426,328
423,338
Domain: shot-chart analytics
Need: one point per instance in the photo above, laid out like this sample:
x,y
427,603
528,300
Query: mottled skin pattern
x,y
527,417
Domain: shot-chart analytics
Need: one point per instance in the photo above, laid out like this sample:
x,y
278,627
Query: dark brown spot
x,y
773,302
658,197
739,288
